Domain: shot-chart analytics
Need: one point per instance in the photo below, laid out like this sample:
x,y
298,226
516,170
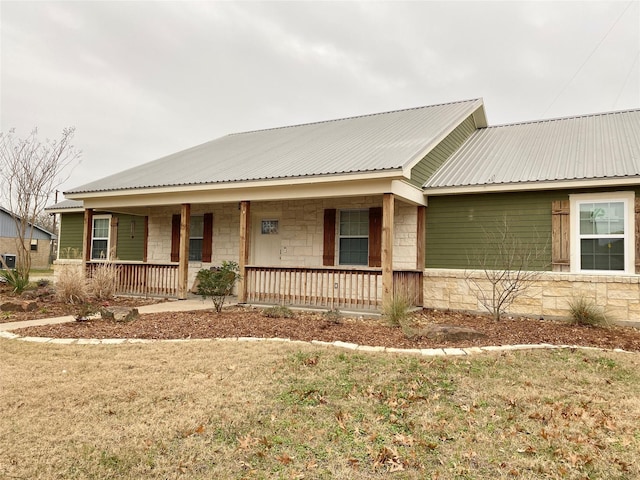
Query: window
x,y
196,236
354,237
100,238
34,244
269,227
603,242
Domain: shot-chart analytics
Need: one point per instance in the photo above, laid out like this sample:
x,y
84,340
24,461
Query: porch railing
x,y
143,278
327,287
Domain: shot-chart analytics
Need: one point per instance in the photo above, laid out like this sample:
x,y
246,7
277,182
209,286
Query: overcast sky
x,y
140,80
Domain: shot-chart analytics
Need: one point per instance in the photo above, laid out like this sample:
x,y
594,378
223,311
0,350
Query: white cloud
x,y
145,79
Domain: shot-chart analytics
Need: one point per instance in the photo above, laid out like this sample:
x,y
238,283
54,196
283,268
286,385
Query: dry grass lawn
x,y
230,410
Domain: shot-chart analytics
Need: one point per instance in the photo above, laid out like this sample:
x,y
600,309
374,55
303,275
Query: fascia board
x,y
230,186
532,186
271,193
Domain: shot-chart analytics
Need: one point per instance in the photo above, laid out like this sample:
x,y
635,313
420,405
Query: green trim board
x,y
421,172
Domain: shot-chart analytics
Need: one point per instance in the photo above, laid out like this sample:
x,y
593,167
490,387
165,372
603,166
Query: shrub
x,y
218,283
278,311
15,279
396,310
586,312
71,287
104,281
333,316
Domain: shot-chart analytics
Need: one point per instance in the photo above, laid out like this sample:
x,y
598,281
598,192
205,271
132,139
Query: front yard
x,y
225,410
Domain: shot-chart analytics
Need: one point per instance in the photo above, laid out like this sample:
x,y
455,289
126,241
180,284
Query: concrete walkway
x,y
195,303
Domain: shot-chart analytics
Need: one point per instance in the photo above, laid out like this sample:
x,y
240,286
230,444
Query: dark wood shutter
x,y
375,237
145,248
175,238
560,239
329,242
113,239
207,237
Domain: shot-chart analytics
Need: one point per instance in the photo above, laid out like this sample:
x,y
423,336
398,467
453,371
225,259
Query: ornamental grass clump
x,y
104,281
278,311
585,312
71,286
396,310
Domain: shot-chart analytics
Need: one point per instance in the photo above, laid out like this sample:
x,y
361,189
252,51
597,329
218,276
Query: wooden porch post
x,y
86,234
387,247
183,261
243,255
421,239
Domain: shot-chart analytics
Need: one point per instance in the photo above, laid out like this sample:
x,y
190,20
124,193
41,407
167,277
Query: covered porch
x,y
353,253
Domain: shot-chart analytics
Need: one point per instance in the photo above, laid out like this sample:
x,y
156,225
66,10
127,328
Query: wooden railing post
x,y
183,262
243,254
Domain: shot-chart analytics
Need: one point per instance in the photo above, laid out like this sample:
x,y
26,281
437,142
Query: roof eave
x,y
234,185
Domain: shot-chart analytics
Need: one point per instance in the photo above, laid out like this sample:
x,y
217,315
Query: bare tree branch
x,y
31,172
506,263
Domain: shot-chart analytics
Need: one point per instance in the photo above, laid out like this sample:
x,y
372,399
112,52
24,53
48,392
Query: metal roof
x,y
8,227
369,143
599,146
66,205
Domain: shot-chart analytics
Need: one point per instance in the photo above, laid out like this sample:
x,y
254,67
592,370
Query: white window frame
x,y
108,237
194,237
340,236
628,199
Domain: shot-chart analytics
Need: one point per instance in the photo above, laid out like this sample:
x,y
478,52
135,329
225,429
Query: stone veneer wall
x,y
548,295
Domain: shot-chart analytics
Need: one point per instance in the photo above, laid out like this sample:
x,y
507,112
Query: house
x,y
352,212
40,244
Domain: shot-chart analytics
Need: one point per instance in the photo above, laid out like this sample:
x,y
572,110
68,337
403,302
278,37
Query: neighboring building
x,y
347,213
40,244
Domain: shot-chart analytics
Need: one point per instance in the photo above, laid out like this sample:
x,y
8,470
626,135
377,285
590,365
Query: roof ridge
x,y
469,100
570,117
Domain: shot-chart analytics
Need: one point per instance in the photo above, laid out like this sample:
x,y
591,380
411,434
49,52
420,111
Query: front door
x,y
265,244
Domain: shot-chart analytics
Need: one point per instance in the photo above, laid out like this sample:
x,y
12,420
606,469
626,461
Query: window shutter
x,y
375,236
637,234
113,234
207,237
560,235
145,247
175,238
329,243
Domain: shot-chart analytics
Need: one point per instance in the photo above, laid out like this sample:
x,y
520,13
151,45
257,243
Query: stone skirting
x,y
548,296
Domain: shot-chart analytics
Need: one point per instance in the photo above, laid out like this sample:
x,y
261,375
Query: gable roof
x,y
8,227
381,142
589,150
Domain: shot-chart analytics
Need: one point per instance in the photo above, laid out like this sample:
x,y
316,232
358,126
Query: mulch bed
x,y
251,322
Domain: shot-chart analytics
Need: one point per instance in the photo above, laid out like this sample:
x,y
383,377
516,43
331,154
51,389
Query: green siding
x,y
460,228
71,233
130,237
436,157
